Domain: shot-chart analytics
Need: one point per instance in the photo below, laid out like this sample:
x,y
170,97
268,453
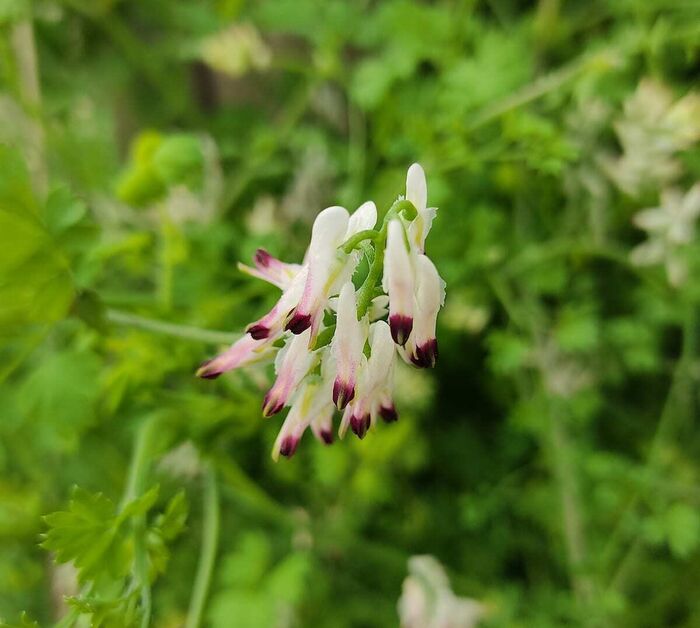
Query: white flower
x,y
422,348
427,601
653,129
417,193
326,264
375,385
399,282
347,346
669,226
292,364
322,364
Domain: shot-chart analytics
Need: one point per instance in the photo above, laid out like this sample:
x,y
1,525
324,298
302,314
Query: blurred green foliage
x,y
551,459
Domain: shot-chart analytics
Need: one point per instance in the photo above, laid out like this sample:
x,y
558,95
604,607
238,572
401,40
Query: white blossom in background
x,y
669,227
427,601
332,348
652,130
236,50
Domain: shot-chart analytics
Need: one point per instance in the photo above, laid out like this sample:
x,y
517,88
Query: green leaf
x,y
92,535
139,506
35,283
508,351
682,529
59,397
179,160
86,535
172,522
63,210
107,612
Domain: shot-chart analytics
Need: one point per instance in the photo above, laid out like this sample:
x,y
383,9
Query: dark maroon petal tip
x,y
426,354
326,436
401,327
388,413
258,331
289,446
270,408
298,323
262,258
360,425
207,374
343,393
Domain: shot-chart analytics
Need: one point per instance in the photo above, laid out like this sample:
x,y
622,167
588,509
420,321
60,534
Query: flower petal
x,y
327,235
430,297
398,282
416,187
363,218
270,269
246,350
293,363
346,347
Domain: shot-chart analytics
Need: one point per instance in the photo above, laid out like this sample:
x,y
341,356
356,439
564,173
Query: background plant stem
x,y
187,332
207,556
29,88
136,484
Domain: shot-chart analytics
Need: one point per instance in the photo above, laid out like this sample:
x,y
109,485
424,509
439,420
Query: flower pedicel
x,y
346,364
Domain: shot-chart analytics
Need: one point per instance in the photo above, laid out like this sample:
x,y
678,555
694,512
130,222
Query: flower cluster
x,y
670,227
333,348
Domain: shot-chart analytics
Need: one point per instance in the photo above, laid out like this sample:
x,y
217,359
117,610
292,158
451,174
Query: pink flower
x,y
243,352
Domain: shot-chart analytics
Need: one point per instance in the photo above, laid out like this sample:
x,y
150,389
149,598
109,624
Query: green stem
x,y
24,51
207,557
681,383
136,484
566,478
544,85
171,329
367,292
353,241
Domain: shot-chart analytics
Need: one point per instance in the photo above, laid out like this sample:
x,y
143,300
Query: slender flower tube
x,y
270,269
417,193
398,282
271,325
311,406
346,347
327,235
243,352
375,383
295,424
422,347
292,364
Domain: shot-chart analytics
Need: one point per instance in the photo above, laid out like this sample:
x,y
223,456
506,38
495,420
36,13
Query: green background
x,y
549,461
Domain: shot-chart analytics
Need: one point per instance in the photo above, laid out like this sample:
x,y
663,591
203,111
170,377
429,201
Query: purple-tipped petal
x,y
326,436
289,446
271,404
298,323
426,354
262,258
207,370
343,393
388,413
360,425
401,327
258,331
